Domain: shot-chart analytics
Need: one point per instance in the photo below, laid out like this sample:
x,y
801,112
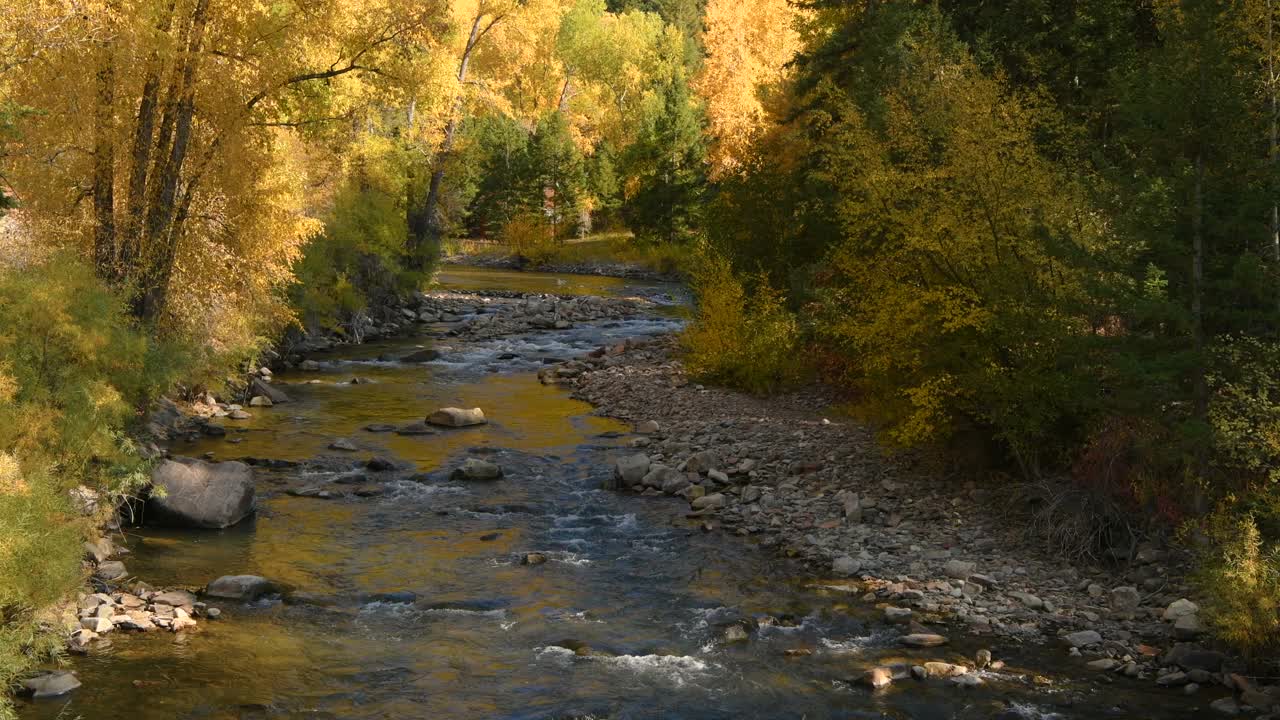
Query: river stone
x,y
944,670
260,401
344,445
712,501
1180,608
1031,601
260,387
877,677
1104,664
845,566
111,570
982,658
1226,706
897,616
1187,627
53,684
174,598
421,356
239,587
416,428
1083,638
922,640
239,414
533,558
1125,600
98,625
631,470
648,427
701,462
202,494
477,469
100,549
456,417
309,365
959,569
666,479
1191,656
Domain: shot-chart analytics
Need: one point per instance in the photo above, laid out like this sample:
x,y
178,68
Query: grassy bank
x,y
594,250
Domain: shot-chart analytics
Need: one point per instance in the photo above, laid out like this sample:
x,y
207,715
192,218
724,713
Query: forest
x,y
1037,241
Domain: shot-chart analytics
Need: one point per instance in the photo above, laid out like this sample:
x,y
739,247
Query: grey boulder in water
x,y
195,493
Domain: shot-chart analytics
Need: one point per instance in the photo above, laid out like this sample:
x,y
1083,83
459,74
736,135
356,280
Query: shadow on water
x,y
414,603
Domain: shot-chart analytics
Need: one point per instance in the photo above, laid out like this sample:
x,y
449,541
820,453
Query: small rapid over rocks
x,y
485,570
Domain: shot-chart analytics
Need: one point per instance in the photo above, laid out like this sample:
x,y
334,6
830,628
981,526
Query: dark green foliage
x,y
669,163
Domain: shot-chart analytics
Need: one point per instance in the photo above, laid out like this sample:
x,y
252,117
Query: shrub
x,y
530,236
73,372
1239,578
742,334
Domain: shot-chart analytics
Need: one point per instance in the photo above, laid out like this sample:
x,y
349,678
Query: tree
x,y
667,174
748,45
187,176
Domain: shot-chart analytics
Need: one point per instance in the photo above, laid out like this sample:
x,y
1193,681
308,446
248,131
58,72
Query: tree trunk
x,y
1275,120
105,254
140,154
159,238
426,226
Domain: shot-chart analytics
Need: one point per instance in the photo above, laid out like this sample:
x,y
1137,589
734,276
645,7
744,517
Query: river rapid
x,y
413,602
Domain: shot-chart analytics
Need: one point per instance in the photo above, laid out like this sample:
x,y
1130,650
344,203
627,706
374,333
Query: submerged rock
x,y
477,469
922,640
421,356
53,684
201,494
239,587
417,428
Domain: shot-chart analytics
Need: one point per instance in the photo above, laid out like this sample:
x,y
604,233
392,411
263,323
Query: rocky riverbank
x,y
926,551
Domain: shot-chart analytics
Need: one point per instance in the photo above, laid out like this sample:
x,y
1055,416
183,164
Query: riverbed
x,y
413,602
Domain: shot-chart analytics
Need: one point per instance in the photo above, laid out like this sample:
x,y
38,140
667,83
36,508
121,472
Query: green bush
x,y
74,371
742,334
357,262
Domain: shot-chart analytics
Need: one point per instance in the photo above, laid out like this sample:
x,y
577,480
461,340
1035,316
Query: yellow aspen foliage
x,y
748,44
158,150
951,284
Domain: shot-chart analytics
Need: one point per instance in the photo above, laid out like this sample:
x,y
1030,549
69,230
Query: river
x,y
413,603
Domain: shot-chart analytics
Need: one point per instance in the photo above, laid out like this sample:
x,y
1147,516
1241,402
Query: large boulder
x,y
201,494
457,417
259,387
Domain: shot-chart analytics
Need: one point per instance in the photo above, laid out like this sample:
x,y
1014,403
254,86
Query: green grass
x,y
602,248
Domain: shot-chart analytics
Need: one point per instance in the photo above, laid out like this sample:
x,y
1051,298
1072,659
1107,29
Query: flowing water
x,y
413,604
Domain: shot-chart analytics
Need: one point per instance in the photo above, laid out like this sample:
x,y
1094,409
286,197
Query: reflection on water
x,y
413,604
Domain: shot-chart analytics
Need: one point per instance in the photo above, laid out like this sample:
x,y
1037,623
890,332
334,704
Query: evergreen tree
x,y
668,162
